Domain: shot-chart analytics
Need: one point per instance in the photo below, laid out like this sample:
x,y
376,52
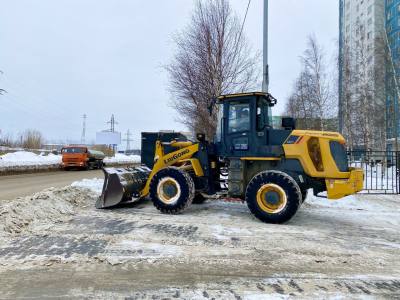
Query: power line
x,y
244,21
39,99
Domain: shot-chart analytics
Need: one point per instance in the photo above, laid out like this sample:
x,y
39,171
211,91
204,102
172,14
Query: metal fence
x,y
381,170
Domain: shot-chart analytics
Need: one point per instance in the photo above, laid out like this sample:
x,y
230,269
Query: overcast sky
x,y
64,58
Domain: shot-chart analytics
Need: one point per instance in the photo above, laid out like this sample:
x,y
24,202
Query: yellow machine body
x,y
182,158
318,162
271,169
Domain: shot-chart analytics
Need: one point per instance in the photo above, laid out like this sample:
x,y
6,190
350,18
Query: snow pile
x,y
95,185
47,207
23,158
122,158
29,159
357,202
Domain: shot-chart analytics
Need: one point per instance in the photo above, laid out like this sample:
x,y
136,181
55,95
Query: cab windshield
x,y
239,117
74,150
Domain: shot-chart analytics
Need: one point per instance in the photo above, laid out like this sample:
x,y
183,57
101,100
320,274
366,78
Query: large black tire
x,y
199,199
273,197
172,190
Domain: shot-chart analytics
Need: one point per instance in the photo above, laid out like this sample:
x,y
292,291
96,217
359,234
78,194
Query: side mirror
x,y
288,123
201,137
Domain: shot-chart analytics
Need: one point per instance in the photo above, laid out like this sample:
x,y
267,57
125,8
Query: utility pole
x,y
112,123
128,140
265,84
83,138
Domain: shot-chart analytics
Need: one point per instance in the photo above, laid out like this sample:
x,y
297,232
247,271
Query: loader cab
x,y
244,127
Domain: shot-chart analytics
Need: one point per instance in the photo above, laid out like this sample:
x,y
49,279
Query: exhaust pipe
x,y
121,185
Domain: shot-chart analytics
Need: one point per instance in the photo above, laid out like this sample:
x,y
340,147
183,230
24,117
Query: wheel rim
x,y
168,190
271,198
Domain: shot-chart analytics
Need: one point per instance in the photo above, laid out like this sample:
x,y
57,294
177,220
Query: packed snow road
x,y
54,244
26,184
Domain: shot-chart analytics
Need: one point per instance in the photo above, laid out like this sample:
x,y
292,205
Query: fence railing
x,y
381,170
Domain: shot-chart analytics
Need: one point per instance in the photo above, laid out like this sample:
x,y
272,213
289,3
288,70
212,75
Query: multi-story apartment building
x,y
362,72
392,15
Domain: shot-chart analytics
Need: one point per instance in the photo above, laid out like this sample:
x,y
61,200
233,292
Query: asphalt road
x,y
26,184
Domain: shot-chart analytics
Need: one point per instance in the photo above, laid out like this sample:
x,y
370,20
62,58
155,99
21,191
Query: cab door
x,y
238,127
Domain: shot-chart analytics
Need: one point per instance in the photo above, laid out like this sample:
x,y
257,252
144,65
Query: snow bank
x,y
29,160
95,184
47,207
23,158
122,158
357,202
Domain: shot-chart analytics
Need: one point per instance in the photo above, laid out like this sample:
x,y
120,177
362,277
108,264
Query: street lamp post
x,y
265,84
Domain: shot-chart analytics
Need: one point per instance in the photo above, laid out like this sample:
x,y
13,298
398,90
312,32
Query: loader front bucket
x,y
121,185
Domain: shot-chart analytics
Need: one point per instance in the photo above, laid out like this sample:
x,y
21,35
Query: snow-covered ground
x,y
24,158
95,184
122,158
345,249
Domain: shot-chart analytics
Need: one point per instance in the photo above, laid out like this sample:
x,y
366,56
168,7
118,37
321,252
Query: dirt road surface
x,y
56,245
23,185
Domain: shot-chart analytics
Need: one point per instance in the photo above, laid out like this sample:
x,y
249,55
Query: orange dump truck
x,y
81,157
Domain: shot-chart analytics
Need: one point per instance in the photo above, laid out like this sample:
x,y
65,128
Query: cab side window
x,y
262,119
239,117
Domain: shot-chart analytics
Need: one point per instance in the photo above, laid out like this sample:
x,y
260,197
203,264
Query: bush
x,y
7,140
32,139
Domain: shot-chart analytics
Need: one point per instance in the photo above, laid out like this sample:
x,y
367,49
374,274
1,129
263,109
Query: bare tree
x,y
213,58
348,106
7,140
312,101
393,80
363,91
31,139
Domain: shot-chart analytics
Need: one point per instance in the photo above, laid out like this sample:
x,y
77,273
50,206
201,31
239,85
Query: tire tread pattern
x,y
285,181
189,189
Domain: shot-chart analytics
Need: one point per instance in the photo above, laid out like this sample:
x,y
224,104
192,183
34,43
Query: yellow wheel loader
x,y
271,169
